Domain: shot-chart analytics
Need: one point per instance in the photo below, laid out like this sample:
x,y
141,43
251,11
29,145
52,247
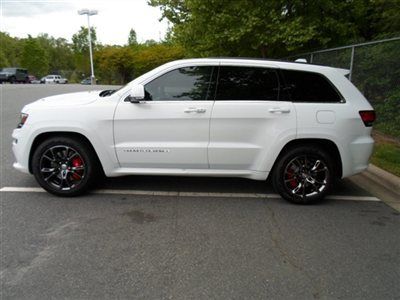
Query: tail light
x,y
368,117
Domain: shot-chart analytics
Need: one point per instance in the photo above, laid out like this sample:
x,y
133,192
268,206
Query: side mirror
x,y
136,94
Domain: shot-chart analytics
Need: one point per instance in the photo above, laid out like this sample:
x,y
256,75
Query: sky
x,y
59,18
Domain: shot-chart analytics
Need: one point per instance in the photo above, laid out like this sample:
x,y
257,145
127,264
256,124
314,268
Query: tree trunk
x,y
263,50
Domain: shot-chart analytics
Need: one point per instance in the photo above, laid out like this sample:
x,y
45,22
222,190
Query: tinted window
x,y
309,87
190,83
247,83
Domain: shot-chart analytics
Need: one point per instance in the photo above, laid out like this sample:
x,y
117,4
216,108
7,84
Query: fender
x,y
102,144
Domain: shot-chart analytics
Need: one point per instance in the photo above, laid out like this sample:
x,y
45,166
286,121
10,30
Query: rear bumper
x,y
360,150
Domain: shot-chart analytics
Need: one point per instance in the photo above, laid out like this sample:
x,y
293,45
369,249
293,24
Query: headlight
x,y
22,119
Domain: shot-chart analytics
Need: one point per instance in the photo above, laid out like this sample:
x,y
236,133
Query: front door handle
x,y
279,110
195,110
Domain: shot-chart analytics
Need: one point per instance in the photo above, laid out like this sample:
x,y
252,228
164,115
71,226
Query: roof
x,y
259,62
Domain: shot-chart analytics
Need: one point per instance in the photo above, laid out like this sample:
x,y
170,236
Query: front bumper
x,y
20,149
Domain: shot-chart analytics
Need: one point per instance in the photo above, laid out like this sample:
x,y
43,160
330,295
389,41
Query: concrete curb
x,y
383,178
381,184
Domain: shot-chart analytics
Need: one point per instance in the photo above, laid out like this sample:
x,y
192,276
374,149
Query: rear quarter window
x,y
301,86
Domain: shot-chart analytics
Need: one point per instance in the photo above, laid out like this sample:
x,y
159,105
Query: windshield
x,y
8,70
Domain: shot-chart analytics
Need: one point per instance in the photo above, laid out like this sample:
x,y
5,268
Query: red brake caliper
x,y
77,162
293,182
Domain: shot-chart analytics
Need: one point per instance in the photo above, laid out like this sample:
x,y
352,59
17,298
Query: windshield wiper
x,y
106,93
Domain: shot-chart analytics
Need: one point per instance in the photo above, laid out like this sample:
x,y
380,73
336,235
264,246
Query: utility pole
x,y
89,13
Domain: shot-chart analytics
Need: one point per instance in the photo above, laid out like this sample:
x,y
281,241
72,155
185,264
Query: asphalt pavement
x,y
144,237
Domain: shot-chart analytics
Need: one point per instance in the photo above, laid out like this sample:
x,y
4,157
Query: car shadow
x,y
188,184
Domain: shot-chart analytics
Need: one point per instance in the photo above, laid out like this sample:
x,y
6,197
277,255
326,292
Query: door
x,y
170,129
248,118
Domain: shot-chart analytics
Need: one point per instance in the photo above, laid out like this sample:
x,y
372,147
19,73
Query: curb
x,y
383,178
381,184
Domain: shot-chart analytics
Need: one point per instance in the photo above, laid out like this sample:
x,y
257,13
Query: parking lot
x,y
187,238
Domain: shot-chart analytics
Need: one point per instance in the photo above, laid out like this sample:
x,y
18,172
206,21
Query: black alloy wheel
x,y
303,175
65,166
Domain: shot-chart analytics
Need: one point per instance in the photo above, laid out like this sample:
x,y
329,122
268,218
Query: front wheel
x,y
64,166
303,175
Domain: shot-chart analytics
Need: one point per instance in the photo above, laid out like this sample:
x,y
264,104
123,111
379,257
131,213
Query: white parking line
x,y
185,194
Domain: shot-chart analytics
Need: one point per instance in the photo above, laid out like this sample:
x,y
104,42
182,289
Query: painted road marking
x,y
185,194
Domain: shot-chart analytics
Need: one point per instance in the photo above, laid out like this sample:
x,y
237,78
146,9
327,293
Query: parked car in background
x,y
13,75
32,79
302,125
88,81
54,79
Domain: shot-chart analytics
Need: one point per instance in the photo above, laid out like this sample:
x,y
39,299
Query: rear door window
x,y
247,83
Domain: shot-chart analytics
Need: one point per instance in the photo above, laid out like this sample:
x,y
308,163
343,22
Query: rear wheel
x,y
303,175
64,166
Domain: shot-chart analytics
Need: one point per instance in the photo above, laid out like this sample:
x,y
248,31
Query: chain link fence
x,y
375,70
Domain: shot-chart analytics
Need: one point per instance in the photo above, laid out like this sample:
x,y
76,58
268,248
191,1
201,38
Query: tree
x,y
132,39
3,59
147,57
235,28
10,50
80,40
273,28
115,64
59,51
34,57
80,47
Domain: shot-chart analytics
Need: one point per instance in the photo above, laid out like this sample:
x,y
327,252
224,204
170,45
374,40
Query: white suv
x,y
302,125
54,79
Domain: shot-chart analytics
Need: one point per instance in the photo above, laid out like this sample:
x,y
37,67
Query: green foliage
x,y
377,71
34,57
388,117
80,40
148,57
60,53
115,64
10,51
119,65
274,28
132,39
80,47
387,156
3,60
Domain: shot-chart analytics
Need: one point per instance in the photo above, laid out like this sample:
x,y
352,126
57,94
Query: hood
x,y
64,100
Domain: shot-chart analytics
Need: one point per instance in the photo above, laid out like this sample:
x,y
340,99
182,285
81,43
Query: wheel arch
x,y
325,144
46,135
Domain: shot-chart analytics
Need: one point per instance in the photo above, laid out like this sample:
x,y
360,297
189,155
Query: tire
x,y
65,166
13,79
303,175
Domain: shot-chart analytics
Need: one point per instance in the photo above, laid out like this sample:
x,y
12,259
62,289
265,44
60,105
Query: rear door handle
x,y
195,110
279,110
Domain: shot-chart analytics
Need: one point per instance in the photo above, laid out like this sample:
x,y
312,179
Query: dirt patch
x,y
381,138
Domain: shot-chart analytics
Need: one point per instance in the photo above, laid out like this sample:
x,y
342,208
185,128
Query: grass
x,y
387,156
